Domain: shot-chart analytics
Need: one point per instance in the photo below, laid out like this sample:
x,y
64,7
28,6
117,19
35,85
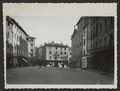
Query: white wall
x,y
53,51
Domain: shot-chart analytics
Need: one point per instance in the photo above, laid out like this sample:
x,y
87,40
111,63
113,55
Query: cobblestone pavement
x,y
55,75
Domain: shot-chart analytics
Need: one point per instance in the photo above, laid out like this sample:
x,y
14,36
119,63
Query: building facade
x,y
102,43
31,47
92,42
54,54
17,41
86,42
81,43
39,53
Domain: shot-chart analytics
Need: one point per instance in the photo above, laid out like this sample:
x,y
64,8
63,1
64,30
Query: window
x,y
105,40
50,57
61,52
65,48
31,50
50,52
84,41
84,53
31,55
31,45
56,47
64,52
31,40
96,29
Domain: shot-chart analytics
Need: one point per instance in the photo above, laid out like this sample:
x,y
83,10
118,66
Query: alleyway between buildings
x,y
55,75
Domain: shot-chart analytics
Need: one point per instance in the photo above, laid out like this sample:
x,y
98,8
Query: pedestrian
x,y
62,65
50,64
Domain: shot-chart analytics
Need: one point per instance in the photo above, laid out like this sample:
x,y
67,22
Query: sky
x,y
54,22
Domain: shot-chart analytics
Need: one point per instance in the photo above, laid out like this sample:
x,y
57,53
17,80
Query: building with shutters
x,y
17,44
54,54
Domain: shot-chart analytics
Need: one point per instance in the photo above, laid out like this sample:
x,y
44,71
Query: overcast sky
x,y
54,22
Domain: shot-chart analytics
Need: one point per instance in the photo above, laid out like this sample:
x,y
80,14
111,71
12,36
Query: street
x,y
55,75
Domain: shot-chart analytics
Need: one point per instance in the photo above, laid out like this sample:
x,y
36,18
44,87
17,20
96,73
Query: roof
x,y
11,20
55,45
79,20
84,17
75,31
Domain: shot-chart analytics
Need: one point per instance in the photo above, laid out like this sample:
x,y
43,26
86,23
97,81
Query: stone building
x,y
93,43
17,41
102,43
81,42
31,47
54,54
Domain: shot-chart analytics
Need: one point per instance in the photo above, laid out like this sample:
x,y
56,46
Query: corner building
x,y
17,44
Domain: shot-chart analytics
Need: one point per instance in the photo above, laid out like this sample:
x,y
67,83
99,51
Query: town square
x,y
58,44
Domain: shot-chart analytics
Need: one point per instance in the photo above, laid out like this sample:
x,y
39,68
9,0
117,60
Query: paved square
x,y
54,75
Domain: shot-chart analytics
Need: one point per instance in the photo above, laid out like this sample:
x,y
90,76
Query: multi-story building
x,y
90,40
80,43
31,47
17,41
54,54
86,42
102,43
39,53
9,41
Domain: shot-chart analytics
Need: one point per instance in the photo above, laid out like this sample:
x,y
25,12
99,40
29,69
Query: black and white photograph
x,y
60,45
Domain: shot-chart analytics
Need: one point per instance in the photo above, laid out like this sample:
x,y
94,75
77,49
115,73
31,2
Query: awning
x,y
24,60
